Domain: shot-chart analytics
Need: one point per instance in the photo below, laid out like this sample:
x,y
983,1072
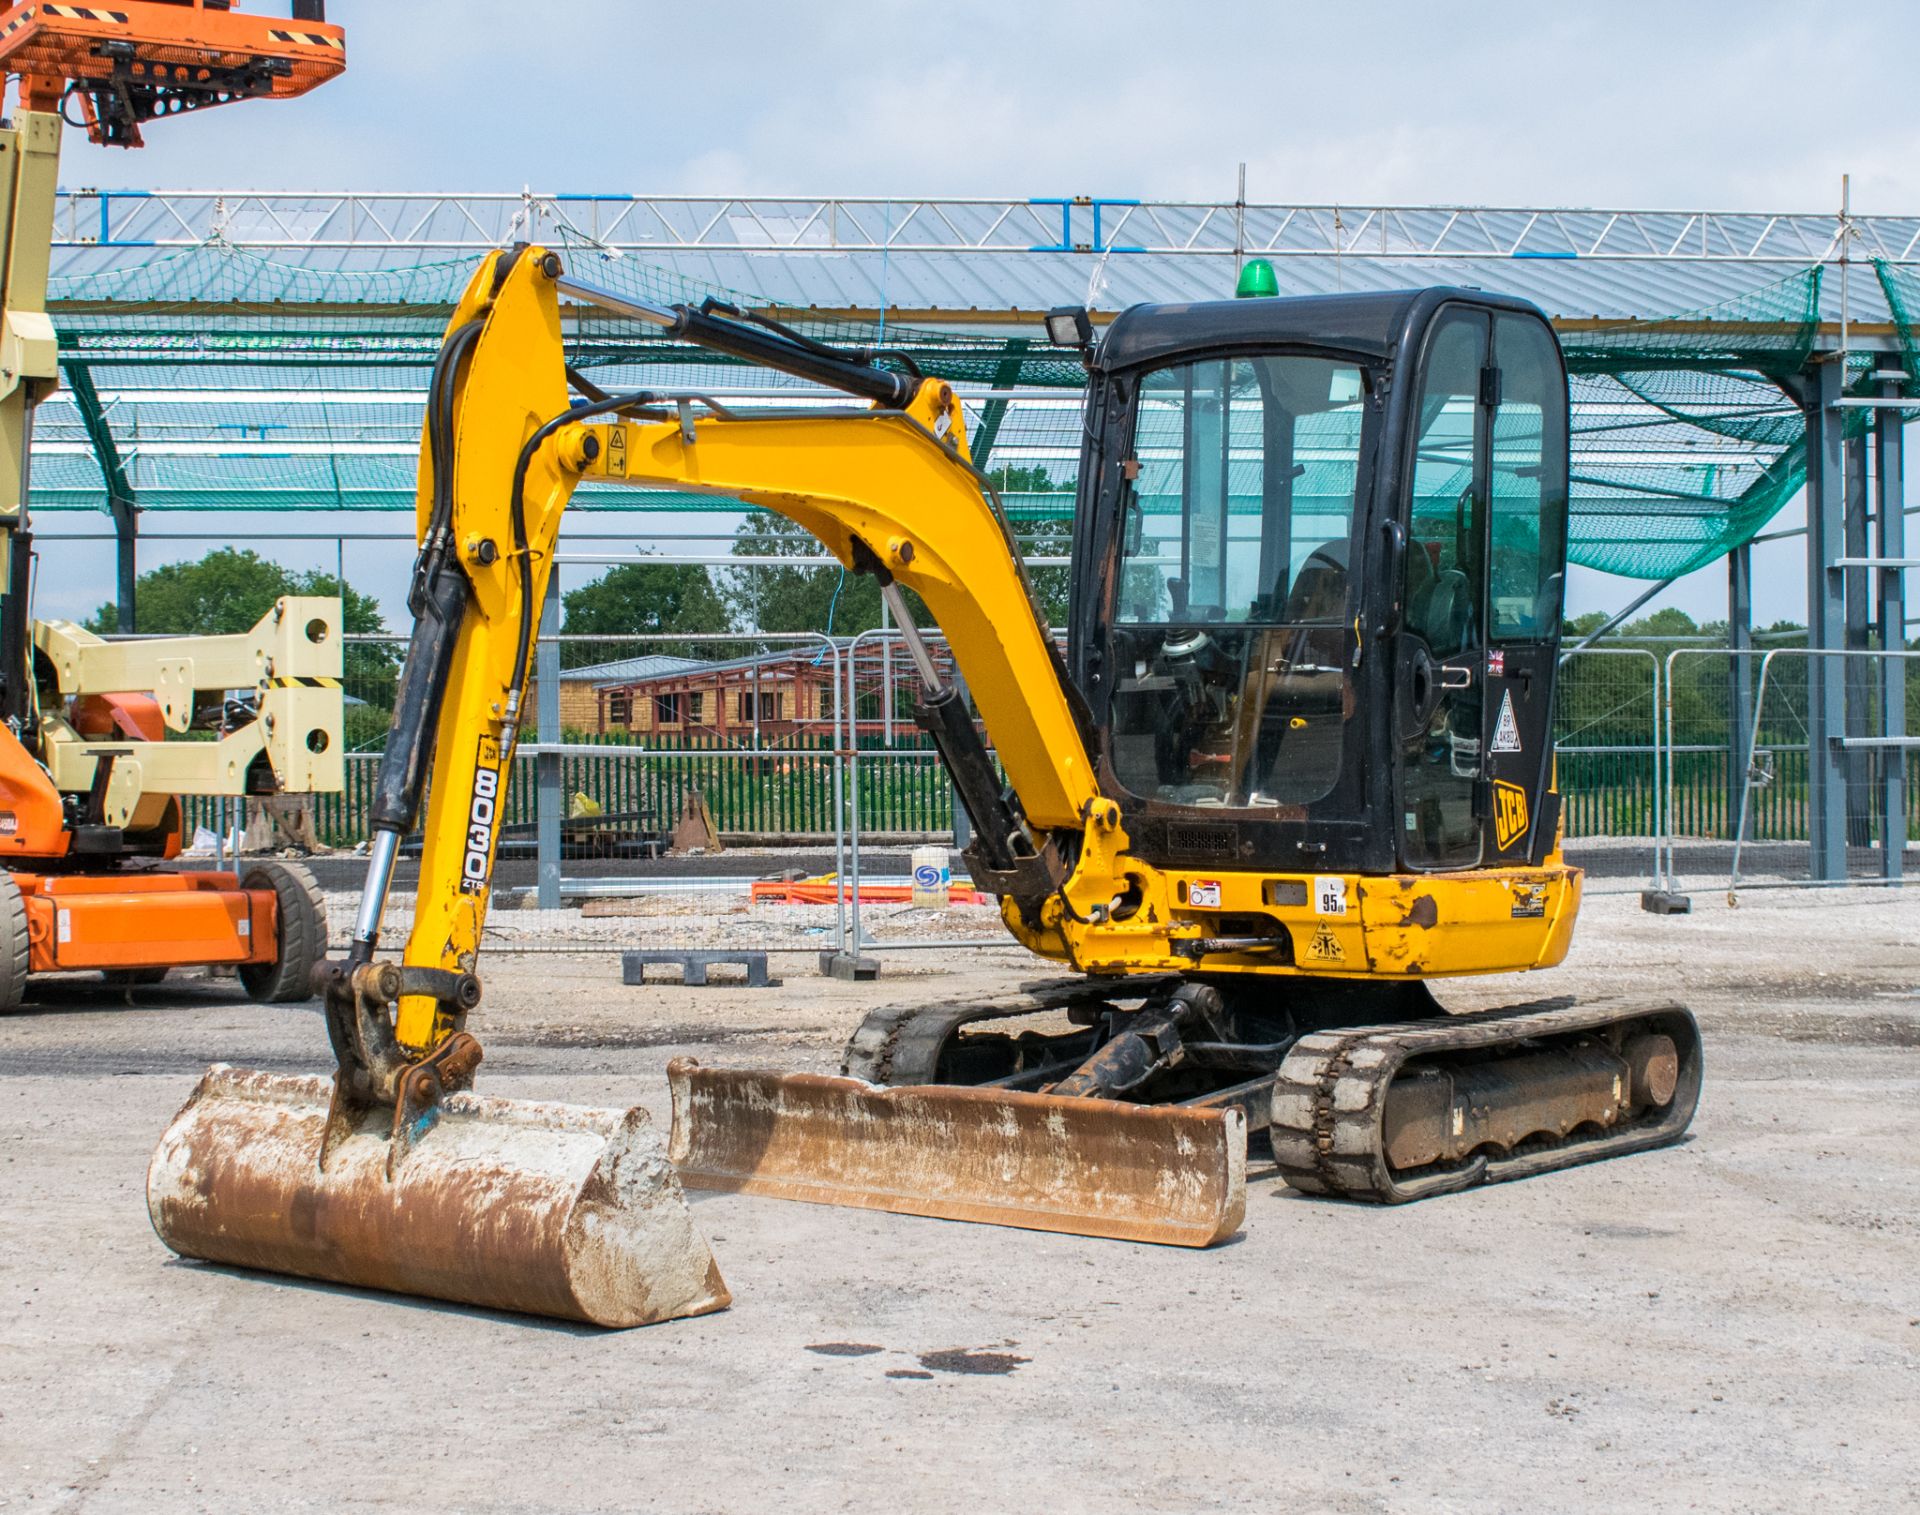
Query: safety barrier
x,y
1607,730
1674,771
1842,815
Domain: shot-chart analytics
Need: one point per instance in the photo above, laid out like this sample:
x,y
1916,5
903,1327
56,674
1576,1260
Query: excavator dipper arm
x,y
393,1174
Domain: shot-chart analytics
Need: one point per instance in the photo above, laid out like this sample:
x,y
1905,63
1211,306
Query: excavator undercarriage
x,y
1388,1111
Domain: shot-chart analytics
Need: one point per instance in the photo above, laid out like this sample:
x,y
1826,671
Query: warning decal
x,y
1506,730
1324,947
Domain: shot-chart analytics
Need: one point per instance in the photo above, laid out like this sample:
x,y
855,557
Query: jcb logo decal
x,y
483,811
1509,813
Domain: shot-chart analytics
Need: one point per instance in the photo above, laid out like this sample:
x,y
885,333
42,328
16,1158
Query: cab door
x,y
1482,585
1441,655
1526,581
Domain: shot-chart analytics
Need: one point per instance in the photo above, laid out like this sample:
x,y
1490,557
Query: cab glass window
x,y
1232,599
1529,483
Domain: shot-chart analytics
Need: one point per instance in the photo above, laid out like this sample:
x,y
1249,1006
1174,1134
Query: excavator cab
x,y
1317,580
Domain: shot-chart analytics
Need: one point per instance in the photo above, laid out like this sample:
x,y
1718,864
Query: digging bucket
x,y
545,1209
1091,1167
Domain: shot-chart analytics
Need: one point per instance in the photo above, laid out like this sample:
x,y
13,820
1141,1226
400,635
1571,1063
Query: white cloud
x,y
1625,103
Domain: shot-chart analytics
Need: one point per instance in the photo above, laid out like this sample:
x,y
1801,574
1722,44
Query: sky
x,y
1761,106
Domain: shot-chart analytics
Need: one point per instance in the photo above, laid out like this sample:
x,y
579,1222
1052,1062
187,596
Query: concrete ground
x,y
1732,1324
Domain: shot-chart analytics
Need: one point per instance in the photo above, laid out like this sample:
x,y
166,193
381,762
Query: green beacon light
x,y
1257,281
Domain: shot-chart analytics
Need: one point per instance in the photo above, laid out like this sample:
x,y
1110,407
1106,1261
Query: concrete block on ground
x,y
849,967
693,964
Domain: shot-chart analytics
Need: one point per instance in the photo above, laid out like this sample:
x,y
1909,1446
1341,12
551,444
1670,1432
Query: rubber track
x,y
1331,1093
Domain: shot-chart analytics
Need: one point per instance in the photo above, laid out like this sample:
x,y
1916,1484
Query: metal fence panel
x,y
1607,742
1777,827
804,752
1708,695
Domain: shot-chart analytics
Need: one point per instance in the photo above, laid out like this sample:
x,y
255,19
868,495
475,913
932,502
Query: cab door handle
x,y
1455,676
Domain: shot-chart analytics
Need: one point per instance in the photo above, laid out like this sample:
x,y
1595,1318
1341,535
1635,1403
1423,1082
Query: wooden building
x,y
770,697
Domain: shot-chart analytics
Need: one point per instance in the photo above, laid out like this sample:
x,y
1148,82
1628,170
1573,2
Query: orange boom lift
x,y
130,62
90,781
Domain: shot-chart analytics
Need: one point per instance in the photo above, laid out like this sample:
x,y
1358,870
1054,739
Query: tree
x,y
1039,536
229,589
1670,622
789,597
641,599
226,591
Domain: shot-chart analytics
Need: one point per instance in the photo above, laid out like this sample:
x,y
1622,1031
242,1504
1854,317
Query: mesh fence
x,y
1864,828
704,788
1677,767
1606,743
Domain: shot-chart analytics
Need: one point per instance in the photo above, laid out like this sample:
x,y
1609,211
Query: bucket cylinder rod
x,y
766,346
941,711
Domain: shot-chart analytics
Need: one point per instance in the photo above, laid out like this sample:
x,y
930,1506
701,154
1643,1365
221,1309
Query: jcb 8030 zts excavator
x,y
1295,763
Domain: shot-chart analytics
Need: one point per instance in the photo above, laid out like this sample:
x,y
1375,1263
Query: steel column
x,y
1891,542
119,490
1826,630
1739,673
1859,678
546,662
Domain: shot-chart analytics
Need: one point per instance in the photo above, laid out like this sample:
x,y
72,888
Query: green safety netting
x,y
1900,283
228,380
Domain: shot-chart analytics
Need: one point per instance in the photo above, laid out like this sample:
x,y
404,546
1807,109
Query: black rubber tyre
x,y
132,978
303,934
13,944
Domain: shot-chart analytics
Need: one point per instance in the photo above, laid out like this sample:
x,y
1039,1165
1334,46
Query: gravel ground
x,y
1731,1324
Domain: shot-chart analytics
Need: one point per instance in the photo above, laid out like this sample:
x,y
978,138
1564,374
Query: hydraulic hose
x,y
437,600
517,508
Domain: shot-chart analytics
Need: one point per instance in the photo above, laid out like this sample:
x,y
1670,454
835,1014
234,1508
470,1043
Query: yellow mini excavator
x,y
1295,763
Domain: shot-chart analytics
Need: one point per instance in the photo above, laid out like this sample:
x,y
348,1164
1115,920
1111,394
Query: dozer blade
x,y
1086,1166
510,1204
